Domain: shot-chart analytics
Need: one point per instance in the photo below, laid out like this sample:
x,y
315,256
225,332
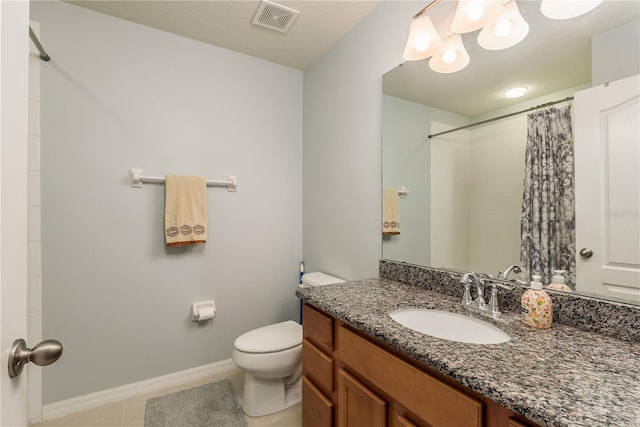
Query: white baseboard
x,y
93,400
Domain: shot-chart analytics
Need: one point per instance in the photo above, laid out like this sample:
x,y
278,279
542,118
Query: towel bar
x,y
136,179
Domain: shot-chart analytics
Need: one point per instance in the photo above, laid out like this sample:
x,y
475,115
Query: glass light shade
x,y
515,92
490,38
453,62
566,9
472,15
423,39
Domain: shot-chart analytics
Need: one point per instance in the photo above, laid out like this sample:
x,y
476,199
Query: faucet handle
x,y
466,282
494,299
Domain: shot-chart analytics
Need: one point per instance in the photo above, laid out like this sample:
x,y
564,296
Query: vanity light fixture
x,y
506,30
515,92
566,9
472,15
452,58
500,20
423,40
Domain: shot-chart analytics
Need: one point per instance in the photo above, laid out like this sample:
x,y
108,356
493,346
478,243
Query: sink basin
x,y
450,326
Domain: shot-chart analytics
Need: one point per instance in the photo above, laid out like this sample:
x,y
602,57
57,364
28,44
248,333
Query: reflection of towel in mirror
x,y
185,210
390,211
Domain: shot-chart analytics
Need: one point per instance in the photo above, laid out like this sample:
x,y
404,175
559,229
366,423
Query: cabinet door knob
x,y
586,253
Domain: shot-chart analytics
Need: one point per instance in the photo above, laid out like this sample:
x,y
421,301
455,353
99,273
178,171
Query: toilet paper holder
x,y
203,310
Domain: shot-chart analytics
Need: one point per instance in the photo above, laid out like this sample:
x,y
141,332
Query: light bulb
x,y
475,11
502,28
515,92
422,42
449,56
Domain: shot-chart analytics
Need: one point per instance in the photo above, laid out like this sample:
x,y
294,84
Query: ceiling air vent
x,y
275,17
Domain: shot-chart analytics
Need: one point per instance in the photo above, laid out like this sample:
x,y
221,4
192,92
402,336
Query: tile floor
x,y
130,412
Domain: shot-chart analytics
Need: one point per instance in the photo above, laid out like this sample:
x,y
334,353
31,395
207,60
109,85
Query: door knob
x,y
45,353
586,253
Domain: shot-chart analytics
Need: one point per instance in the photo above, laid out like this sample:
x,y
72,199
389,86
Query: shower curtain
x,y
548,204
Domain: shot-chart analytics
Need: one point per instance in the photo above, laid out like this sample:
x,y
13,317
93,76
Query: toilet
x,y
271,357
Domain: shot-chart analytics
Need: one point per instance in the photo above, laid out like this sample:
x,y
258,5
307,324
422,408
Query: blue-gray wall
x,y
342,143
616,54
117,96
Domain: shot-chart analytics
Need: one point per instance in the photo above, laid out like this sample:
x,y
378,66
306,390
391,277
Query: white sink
x,y
449,326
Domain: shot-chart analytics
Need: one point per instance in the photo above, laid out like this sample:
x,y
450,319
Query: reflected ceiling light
x,y
423,40
472,15
452,58
507,30
566,9
515,92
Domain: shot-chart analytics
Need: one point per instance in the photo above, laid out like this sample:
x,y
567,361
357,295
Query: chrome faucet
x,y
512,268
481,282
467,280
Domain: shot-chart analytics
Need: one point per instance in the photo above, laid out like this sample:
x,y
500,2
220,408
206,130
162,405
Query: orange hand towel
x,y
185,210
390,212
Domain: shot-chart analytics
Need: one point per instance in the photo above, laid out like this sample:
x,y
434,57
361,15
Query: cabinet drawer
x,y
317,410
317,328
318,366
431,399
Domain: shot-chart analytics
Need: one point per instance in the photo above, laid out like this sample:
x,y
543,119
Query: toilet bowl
x,y
271,357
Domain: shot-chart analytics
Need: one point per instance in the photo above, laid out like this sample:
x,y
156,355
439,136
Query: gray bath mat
x,y
210,405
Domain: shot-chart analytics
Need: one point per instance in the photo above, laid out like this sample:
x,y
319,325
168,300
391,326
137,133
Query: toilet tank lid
x,y
270,338
319,279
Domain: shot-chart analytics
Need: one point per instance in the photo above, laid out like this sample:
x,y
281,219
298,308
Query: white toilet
x,y
271,357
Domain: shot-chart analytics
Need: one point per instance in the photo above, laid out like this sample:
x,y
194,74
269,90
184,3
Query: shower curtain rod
x,y
34,39
493,119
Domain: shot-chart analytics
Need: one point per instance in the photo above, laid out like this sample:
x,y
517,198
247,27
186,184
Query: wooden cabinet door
x,y
317,410
397,420
512,422
357,405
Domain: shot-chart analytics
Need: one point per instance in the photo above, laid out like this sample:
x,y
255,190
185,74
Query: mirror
x,y
463,206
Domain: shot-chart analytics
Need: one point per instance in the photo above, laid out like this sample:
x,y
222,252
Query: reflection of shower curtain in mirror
x,y
548,202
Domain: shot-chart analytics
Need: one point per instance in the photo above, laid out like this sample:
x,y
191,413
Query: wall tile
x,y
34,189
34,224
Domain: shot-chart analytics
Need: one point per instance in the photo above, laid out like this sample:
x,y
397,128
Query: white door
x,y
607,158
14,24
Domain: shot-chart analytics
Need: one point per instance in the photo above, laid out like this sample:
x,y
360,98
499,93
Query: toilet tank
x,y
319,279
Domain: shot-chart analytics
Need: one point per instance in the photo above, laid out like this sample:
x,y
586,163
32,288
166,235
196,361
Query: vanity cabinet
x,y
318,391
351,380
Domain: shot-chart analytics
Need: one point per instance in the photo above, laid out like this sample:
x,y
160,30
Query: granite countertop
x,y
561,376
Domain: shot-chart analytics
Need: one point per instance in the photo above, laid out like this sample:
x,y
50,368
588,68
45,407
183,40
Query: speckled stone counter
x,y
562,376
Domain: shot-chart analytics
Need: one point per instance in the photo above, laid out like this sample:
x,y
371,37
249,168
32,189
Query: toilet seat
x,y
272,338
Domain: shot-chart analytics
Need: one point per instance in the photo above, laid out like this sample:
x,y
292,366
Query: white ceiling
x,y
227,24
555,55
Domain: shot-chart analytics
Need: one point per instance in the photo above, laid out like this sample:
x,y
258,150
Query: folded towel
x,y
185,210
390,211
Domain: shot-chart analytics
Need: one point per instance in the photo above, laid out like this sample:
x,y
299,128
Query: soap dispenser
x,y
557,282
537,308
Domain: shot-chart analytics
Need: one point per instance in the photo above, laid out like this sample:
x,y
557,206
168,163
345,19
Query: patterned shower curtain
x,y
548,204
